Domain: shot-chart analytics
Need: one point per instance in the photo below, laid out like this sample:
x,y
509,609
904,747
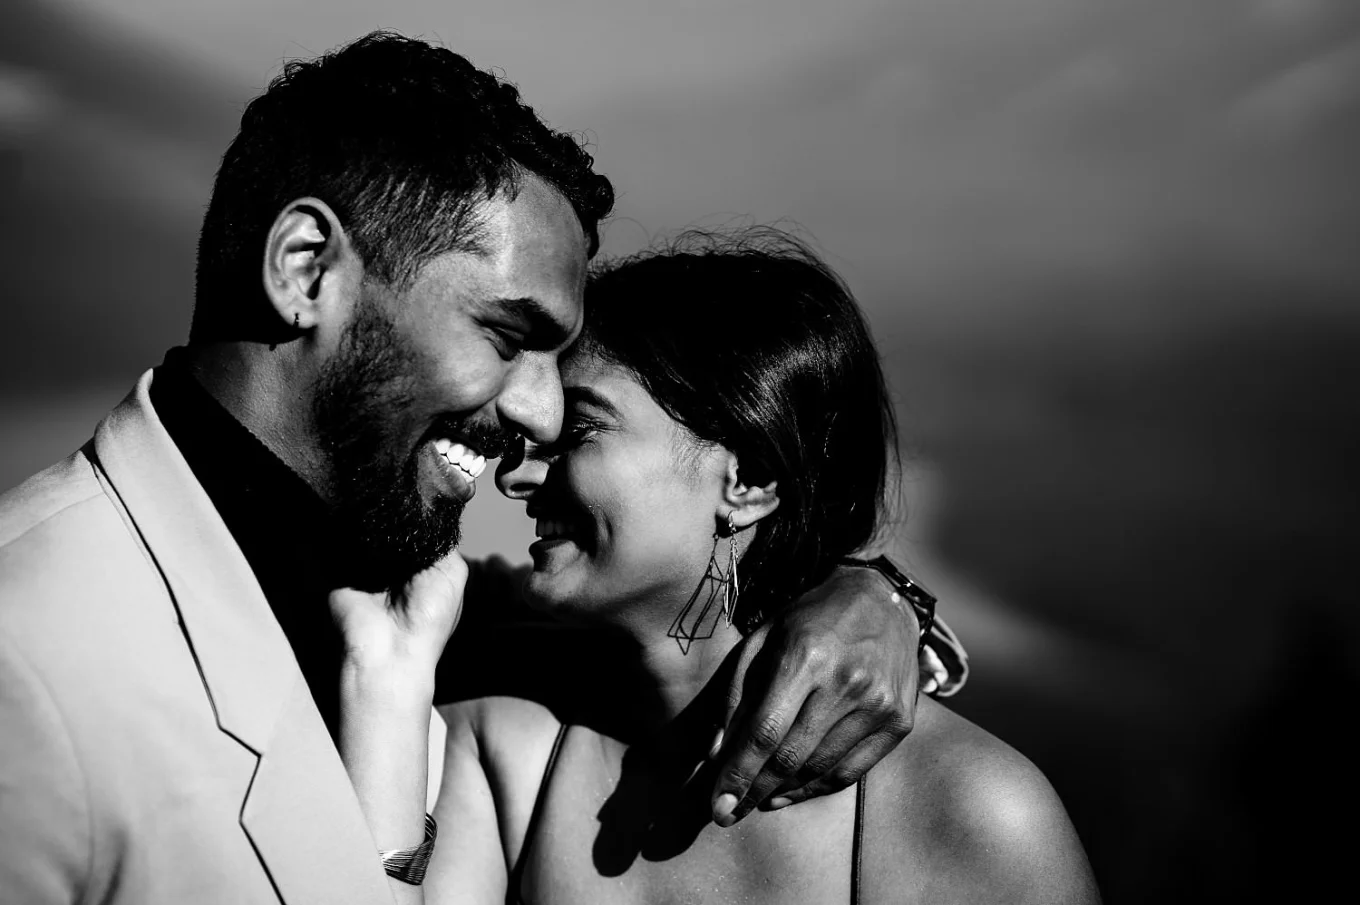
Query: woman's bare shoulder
x,y
504,742
512,737
500,715
979,819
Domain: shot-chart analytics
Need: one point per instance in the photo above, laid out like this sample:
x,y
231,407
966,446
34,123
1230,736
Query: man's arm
x,y
823,691
44,822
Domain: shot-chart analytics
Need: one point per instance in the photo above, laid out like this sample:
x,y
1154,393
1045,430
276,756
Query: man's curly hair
x,y
403,140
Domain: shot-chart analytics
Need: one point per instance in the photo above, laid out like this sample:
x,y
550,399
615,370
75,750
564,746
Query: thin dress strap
x,y
857,850
513,896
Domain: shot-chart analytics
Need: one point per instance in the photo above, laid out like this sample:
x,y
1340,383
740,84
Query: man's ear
x,y
307,261
748,503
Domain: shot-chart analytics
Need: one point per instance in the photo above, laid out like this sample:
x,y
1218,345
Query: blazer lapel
x,y
303,816
300,812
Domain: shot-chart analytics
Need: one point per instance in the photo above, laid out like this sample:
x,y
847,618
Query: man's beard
x,y
361,394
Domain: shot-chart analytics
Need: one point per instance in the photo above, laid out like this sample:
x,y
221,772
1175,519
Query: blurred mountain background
x,y
1111,253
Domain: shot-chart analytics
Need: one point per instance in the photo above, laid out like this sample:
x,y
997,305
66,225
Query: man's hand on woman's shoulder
x,y
821,693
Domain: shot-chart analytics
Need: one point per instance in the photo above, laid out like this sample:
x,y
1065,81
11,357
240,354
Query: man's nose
x,y
531,402
522,472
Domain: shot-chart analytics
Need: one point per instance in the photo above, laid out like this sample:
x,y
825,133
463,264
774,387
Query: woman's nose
x,y
522,471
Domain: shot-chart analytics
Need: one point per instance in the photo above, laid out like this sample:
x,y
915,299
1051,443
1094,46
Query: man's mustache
x,y
489,438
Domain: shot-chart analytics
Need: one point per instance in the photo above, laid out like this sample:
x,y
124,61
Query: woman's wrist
x,y
387,681
400,652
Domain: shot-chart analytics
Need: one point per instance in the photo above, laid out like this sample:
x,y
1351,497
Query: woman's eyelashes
x,y
577,430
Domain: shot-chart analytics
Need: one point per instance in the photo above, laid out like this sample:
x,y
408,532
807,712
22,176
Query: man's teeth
x,y
459,455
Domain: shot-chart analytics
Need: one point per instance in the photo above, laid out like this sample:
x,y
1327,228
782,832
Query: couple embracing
x,y
225,621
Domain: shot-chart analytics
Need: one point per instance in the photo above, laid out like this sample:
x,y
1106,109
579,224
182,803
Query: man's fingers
x,y
732,703
845,773
750,648
933,672
754,735
788,757
850,731
859,706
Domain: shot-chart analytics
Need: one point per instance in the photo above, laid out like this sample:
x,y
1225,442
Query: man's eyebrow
x,y
584,395
540,327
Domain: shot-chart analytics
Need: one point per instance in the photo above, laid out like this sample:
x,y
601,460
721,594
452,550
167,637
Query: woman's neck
x,y
679,658
672,684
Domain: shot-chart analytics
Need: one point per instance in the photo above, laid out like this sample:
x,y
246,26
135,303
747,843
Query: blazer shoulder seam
x,y
95,492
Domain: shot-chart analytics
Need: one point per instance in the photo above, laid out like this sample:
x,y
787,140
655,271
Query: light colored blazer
x,y
158,743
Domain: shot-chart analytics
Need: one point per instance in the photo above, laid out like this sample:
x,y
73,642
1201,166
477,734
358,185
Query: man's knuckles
x,y
856,681
766,734
810,657
899,725
785,762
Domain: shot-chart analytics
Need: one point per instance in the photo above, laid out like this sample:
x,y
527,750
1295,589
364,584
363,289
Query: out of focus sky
x,y
1109,249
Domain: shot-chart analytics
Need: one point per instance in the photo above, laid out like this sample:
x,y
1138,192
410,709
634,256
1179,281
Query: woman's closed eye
x,y
576,430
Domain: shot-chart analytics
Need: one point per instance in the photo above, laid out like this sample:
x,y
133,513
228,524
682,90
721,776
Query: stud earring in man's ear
x,y
296,326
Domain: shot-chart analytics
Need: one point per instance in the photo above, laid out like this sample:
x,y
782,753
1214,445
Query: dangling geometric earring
x,y
697,619
730,605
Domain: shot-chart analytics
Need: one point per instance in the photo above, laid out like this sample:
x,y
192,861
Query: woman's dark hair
x,y
402,139
748,340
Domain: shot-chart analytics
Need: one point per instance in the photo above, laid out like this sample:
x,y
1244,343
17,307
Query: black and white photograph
x,y
762,452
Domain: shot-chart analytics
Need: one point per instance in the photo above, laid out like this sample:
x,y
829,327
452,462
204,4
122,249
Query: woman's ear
x,y
747,503
307,260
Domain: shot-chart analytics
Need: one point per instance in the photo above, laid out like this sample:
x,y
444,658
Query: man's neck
x,y
282,528
256,388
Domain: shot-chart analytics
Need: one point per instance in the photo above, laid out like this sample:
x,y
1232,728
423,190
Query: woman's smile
x,y
620,509
560,532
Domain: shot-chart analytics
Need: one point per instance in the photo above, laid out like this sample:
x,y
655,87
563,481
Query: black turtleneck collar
x,y
279,522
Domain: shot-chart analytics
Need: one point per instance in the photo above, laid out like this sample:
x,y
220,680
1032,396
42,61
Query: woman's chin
x,y
549,590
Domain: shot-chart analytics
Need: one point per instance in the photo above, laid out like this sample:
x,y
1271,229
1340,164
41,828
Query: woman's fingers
x,y
433,598
413,622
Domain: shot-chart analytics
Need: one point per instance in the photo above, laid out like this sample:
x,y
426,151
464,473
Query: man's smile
x,y
451,468
461,456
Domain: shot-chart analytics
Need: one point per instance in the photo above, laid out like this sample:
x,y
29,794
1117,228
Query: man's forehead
x,y
528,258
